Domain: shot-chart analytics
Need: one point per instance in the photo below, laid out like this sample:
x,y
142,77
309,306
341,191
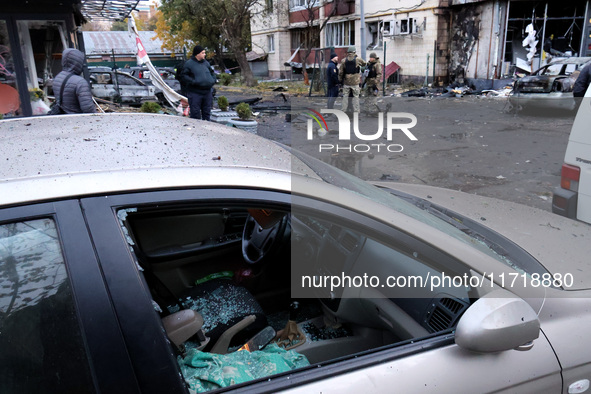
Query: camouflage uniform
x,y
351,81
372,84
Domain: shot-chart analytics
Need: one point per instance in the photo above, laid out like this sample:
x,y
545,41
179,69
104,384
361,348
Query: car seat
x,y
231,314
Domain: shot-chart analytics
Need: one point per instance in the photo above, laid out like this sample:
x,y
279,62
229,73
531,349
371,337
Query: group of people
x,y
347,74
198,77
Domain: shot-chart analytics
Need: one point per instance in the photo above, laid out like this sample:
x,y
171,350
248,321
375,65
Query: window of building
x,y
270,43
340,34
42,348
303,37
295,4
375,32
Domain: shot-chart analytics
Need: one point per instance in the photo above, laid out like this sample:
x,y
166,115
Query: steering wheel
x,y
258,243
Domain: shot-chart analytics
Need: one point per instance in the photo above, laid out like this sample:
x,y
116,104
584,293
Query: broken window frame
x,y
16,41
8,71
32,72
377,37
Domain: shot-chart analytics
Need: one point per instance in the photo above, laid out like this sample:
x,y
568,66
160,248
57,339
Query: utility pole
x,y
362,29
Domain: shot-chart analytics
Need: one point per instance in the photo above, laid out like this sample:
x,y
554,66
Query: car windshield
x,y
552,69
413,207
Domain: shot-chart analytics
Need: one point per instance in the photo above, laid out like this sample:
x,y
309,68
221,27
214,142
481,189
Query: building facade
x,y
468,41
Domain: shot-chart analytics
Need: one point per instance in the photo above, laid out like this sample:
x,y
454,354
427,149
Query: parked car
x,y
550,86
573,197
118,86
167,74
137,249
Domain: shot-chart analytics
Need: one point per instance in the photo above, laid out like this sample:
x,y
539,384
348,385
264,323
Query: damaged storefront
x,y
31,44
559,32
494,41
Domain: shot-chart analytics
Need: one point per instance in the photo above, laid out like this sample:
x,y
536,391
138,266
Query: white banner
x,y
176,100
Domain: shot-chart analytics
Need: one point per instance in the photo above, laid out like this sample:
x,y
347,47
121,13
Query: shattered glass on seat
x,y
223,304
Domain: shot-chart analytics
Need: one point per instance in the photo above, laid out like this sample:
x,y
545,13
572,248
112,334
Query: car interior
x,y
221,279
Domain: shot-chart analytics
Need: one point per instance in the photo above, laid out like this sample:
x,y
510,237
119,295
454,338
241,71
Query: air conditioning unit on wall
x,y
403,27
390,28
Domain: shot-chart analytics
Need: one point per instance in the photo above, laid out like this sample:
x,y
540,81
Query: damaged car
x,y
549,87
167,74
159,254
120,87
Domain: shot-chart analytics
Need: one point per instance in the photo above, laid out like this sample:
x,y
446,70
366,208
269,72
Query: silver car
x,y
118,86
153,253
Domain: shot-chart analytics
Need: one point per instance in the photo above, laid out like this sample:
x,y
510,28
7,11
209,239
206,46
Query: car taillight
x,y
141,74
570,177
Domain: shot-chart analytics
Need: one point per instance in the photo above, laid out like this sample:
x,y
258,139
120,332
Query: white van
x,y
573,198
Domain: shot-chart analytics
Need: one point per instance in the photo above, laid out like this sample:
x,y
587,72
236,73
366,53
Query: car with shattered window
x,y
549,87
120,87
152,253
167,74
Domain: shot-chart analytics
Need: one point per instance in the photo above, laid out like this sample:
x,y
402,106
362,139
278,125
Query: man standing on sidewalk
x,y
198,78
332,78
350,77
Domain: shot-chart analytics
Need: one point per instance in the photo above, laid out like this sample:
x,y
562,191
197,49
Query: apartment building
x,y
430,40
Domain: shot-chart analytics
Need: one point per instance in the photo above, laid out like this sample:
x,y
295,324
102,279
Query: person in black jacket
x,y
198,79
582,82
332,78
77,94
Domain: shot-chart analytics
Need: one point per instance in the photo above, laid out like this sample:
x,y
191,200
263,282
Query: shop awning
x,y
107,10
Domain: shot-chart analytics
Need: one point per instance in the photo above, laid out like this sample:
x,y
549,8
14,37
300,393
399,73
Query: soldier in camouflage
x,y
371,86
350,78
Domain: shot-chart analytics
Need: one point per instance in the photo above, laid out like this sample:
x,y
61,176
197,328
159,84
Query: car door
x,y
102,85
58,330
425,363
133,90
431,363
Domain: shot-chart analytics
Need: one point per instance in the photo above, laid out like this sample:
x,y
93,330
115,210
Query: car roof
x,y
53,157
99,68
570,60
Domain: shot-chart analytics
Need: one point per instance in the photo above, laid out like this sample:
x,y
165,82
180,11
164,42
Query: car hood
x,y
560,244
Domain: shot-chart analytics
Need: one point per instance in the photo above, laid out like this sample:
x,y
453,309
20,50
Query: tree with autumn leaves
x,y
213,24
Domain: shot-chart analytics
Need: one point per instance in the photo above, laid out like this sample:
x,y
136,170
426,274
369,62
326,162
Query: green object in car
x,y
210,371
215,275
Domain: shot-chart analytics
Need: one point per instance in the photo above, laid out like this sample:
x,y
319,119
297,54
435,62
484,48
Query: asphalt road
x,y
474,144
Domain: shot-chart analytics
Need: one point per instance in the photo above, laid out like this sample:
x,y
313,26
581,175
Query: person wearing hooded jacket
x,y
77,96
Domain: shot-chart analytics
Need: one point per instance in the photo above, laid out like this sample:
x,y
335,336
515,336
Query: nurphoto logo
x,y
395,122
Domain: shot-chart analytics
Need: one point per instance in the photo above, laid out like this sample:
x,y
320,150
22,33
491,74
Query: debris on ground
x,y
283,96
250,101
387,177
456,90
503,92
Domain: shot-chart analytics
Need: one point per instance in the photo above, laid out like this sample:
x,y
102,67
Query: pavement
x,y
475,144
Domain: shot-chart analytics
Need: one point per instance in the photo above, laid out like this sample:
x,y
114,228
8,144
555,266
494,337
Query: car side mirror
x,y
497,322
